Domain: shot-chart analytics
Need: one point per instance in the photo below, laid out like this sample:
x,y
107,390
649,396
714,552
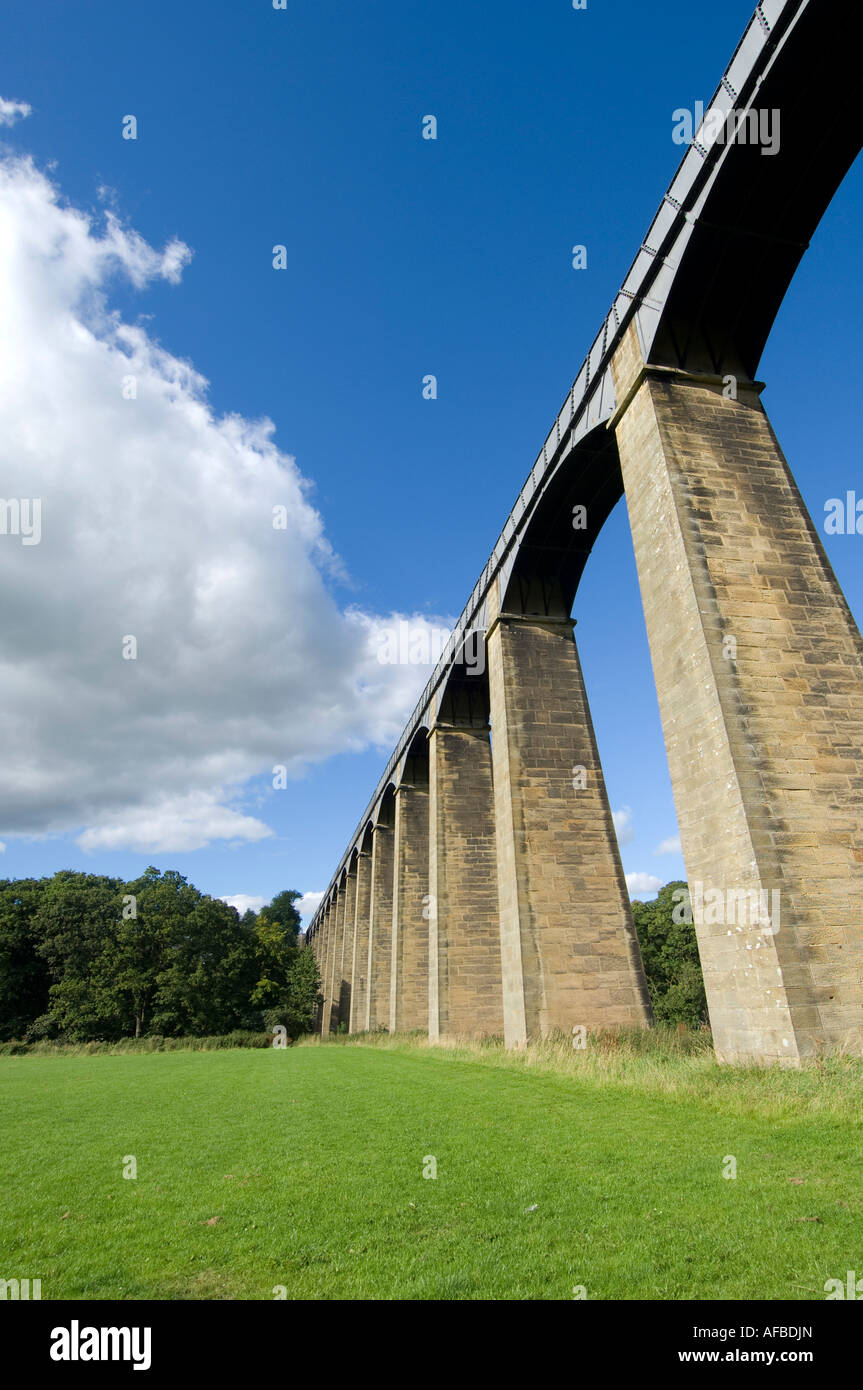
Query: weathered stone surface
x,y
759,671
320,941
464,933
360,959
380,928
409,970
333,977
569,953
344,965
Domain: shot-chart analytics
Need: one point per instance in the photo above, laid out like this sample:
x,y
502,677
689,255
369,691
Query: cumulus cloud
x,y
307,905
638,883
180,824
623,825
670,846
244,902
12,111
643,883
157,522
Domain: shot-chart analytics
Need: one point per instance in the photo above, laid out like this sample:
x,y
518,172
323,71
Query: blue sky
x,y
405,257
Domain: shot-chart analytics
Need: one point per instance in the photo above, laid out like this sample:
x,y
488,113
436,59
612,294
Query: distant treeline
x,y
89,958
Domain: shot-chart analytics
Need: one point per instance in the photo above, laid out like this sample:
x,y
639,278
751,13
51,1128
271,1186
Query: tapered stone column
x,y
380,929
346,957
319,943
465,995
360,963
759,671
326,963
328,1020
409,977
569,953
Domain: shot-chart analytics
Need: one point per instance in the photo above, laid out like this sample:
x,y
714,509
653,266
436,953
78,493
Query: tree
x,y
297,1011
151,906
288,989
24,979
206,959
76,925
275,934
83,957
671,962
304,993
283,911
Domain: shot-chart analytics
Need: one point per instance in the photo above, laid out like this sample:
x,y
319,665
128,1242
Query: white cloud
x,y
670,846
2,847
243,902
12,111
157,522
176,825
307,905
643,883
623,825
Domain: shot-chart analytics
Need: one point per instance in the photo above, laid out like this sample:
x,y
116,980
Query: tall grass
x,y
660,1059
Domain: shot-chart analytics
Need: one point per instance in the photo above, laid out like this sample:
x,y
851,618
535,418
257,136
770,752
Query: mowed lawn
x,y
303,1168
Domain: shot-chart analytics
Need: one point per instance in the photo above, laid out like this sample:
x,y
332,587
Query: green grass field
x,y
304,1168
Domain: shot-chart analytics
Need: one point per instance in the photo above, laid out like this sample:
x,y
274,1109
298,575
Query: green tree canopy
x,y
76,923
670,954
24,977
84,956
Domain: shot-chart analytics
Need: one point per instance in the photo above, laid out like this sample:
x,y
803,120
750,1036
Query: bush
x,y
45,1026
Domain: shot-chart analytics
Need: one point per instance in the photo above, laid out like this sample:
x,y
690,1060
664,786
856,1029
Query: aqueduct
x,y
482,891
